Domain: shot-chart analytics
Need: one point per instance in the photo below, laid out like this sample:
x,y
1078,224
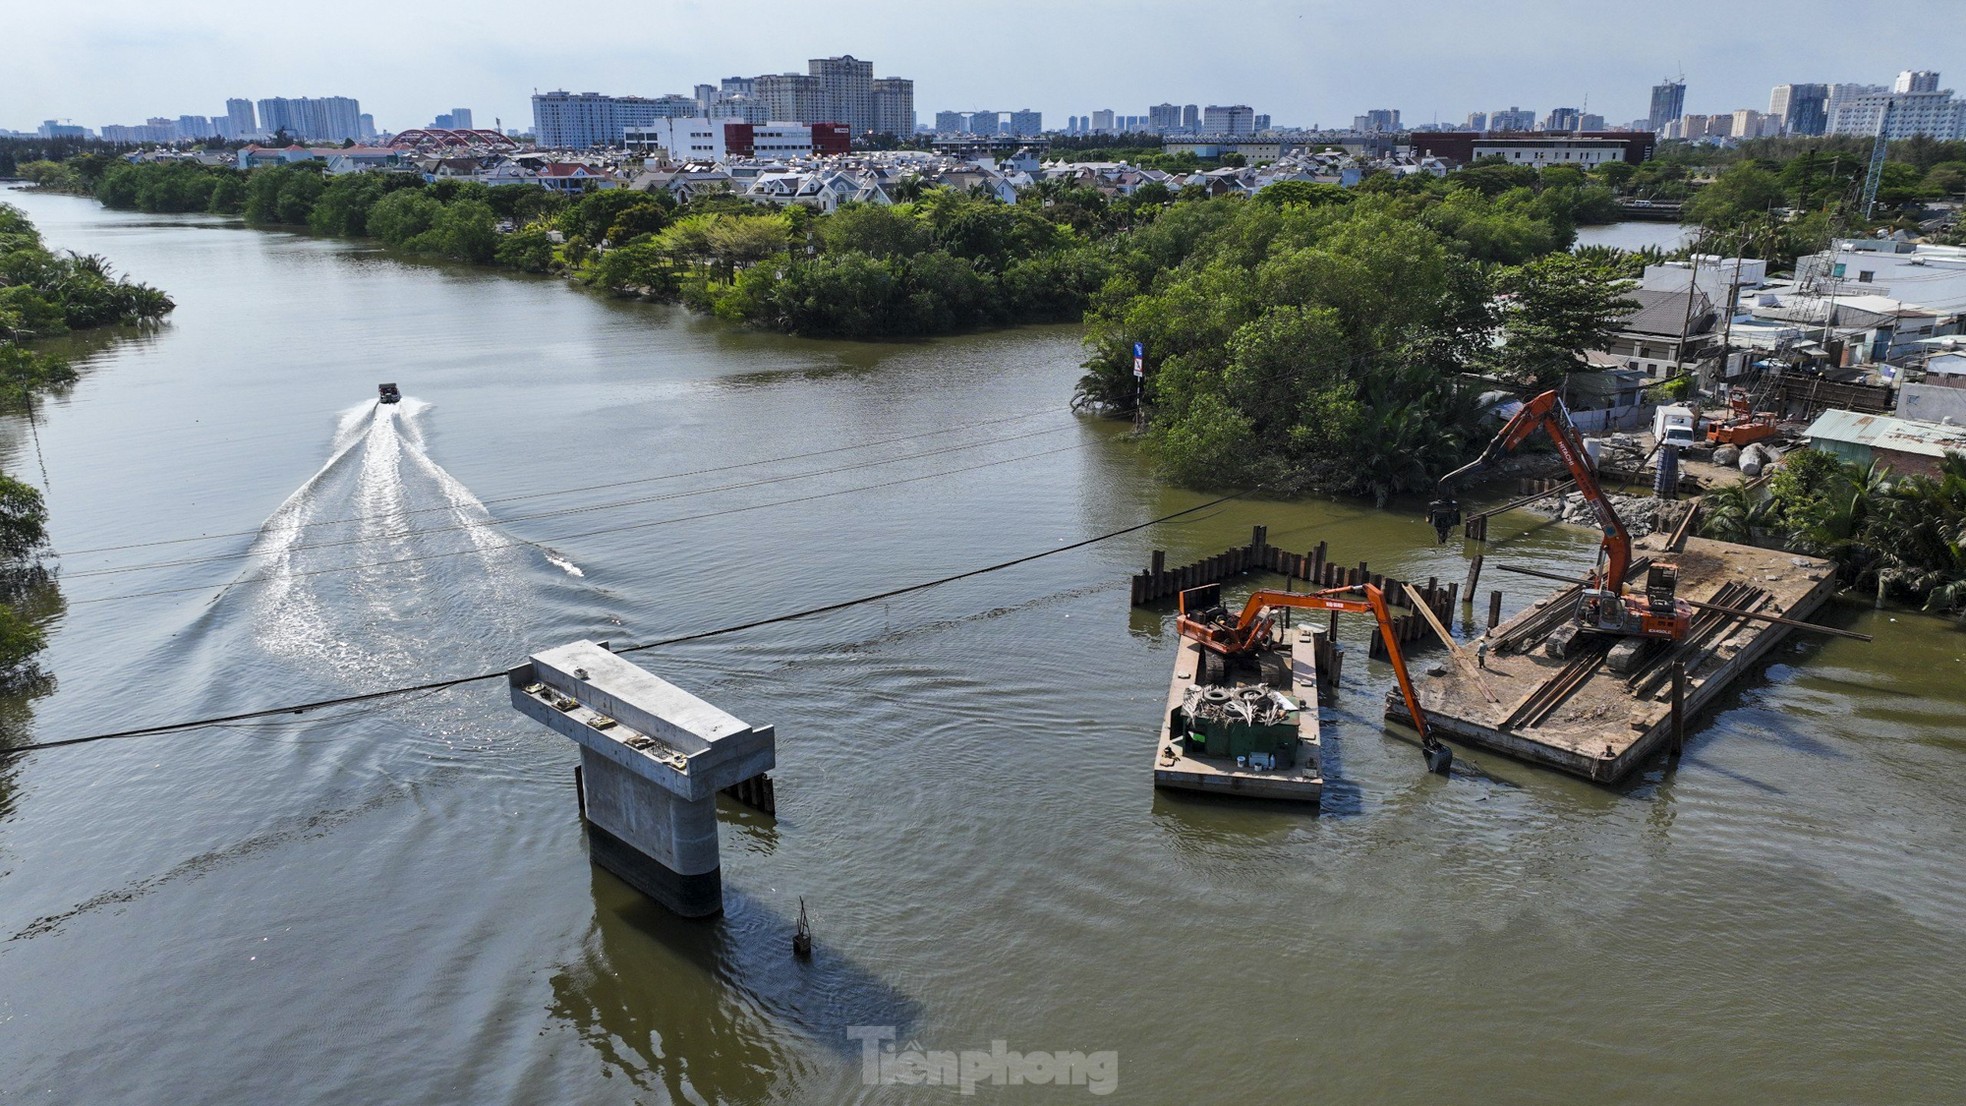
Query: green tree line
x,y
1296,334
1318,339
43,294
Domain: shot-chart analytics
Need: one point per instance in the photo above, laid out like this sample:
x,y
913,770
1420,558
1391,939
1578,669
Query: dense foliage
x,y
1903,535
42,294
1321,341
1778,199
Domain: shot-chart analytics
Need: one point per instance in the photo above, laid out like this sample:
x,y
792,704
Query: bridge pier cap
x,y
653,758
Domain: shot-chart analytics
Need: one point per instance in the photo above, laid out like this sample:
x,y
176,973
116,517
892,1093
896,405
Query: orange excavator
x,y
1606,607
1744,425
1249,641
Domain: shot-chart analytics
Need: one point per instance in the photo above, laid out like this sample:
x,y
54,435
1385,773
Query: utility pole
x,y
1686,324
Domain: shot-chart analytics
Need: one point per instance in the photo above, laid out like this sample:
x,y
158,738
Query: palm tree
x,y
1733,513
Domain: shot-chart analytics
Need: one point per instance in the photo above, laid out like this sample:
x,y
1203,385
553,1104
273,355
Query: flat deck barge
x,y
1301,781
1578,716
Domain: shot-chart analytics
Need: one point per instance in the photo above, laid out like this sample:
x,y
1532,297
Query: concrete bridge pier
x,y
652,758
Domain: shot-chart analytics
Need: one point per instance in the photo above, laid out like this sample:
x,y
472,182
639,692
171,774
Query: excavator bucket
x,y
1444,515
1440,758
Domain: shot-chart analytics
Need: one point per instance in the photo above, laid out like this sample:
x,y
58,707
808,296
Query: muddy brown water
x,y
393,903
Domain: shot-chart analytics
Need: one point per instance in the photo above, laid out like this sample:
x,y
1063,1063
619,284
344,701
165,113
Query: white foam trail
x,y
361,573
563,564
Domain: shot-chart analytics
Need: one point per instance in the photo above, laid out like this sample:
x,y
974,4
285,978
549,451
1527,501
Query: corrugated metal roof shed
x,y
1854,428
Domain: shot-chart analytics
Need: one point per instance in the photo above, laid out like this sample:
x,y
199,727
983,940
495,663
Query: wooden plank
x,y
1468,667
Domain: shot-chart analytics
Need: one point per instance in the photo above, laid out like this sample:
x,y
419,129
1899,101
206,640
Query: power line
x,y
643,525
700,635
582,488
589,508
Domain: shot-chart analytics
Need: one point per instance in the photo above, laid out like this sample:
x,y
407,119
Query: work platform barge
x,y
1575,714
1297,773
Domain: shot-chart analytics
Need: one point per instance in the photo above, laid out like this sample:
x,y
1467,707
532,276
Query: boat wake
x,y
382,557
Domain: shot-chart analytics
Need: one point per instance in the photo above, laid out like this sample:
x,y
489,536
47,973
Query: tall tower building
x,y
1668,102
1916,80
1191,118
846,87
894,106
240,118
793,98
1802,108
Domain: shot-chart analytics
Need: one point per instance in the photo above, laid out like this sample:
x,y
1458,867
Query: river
x,y
1635,235
393,902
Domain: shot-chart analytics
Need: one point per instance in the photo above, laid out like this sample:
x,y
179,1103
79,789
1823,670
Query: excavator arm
x,y
1545,412
1253,627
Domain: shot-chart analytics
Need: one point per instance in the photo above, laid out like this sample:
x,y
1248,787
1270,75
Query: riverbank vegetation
x,y
43,294
1307,337
1901,536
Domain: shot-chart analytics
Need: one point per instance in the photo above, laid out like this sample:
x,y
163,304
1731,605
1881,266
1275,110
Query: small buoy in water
x,y
802,936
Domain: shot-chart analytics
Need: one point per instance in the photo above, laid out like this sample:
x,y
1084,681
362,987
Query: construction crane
x,y
1640,618
1248,640
1878,149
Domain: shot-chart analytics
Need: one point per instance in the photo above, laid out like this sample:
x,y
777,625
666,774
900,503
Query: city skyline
x,y
1452,60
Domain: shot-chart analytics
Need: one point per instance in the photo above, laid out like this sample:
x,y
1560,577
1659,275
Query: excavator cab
x,y
1662,586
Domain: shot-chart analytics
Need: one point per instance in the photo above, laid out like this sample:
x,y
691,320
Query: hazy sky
x,y
1314,61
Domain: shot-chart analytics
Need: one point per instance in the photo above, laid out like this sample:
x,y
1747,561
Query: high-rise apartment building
x,y
1025,123
1262,123
738,86
239,114
1514,119
982,122
1191,117
1668,101
949,122
1931,112
570,121
1477,122
1561,119
739,106
317,119
1228,119
1102,121
1802,108
846,87
1916,80
894,106
461,119
1164,117
1376,121
793,97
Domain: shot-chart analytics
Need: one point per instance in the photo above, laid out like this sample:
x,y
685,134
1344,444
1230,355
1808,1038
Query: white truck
x,y
1675,426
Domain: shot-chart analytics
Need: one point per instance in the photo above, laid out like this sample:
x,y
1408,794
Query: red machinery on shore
x,y
1744,425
